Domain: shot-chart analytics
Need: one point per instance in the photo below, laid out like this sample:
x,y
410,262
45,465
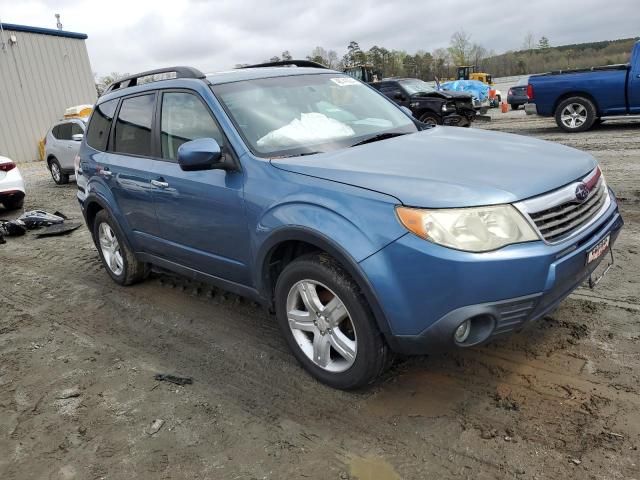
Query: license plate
x,y
597,251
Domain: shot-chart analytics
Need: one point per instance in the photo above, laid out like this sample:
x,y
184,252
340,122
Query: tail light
x,y
530,92
510,91
76,163
5,167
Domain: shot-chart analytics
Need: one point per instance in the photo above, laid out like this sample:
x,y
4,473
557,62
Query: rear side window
x,y
62,131
100,124
133,126
185,118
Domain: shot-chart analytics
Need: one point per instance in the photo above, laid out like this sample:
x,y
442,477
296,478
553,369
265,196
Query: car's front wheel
x,y
430,119
116,255
328,324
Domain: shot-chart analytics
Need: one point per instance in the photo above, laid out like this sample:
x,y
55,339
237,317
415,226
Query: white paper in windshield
x,y
309,129
343,81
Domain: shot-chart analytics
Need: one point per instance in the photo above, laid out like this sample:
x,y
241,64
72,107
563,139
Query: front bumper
x,y
426,291
531,109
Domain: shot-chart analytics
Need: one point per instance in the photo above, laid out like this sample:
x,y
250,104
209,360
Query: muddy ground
x,y
78,356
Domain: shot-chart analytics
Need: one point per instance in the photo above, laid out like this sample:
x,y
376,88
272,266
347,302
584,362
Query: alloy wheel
x,y
55,171
110,248
574,115
321,326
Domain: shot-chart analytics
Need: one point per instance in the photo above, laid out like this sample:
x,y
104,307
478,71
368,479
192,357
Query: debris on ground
x,y
39,218
165,377
58,229
72,392
155,426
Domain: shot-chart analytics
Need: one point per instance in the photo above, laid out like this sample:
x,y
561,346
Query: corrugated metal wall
x,y
40,76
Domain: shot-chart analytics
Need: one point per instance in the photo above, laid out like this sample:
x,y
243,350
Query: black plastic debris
x,y
164,377
58,229
12,228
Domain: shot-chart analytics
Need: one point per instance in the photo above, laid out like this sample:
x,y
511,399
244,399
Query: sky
x,y
212,35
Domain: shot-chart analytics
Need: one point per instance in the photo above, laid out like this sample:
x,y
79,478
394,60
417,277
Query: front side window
x,y
184,117
76,129
300,114
133,126
100,124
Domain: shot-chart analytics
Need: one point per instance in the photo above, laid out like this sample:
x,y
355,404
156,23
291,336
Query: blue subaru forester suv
x,y
365,231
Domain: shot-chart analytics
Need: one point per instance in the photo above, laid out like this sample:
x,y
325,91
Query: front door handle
x,y
160,183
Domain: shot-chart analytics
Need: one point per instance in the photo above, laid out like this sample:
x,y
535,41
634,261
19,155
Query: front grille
x,y
560,221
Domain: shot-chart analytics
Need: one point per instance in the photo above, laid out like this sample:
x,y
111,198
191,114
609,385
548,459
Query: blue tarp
x,y
479,90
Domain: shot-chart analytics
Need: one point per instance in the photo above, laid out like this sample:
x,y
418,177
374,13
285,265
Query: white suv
x,y
61,147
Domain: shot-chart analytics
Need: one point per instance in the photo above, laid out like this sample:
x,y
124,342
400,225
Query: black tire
x,y
56,172
133,270
372,353
431,118
13,203
515,106
583,105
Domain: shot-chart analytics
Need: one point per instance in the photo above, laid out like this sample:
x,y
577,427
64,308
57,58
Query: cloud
x,y
130,36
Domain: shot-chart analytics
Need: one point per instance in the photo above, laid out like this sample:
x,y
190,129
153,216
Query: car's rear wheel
x,y
430,119
116,255
328,324
576,114
56,172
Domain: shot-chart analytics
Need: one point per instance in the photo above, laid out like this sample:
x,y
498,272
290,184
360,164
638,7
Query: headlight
x,y
478,229
448,107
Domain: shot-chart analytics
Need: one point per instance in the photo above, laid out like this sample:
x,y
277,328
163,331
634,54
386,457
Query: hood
x,y
446,94
450,167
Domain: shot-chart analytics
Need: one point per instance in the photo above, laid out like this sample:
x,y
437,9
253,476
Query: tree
x,y
354,54
103,82
441,63
286,55
327,58
460,47
528,43
543,43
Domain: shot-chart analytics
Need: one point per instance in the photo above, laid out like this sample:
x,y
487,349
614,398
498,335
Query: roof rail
x,y
132,80
287,63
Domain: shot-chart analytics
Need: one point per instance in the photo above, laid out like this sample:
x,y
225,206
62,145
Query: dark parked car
x,y
427,104
518,94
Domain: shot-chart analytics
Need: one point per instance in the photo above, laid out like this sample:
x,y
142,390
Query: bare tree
x,y
529,42
460,47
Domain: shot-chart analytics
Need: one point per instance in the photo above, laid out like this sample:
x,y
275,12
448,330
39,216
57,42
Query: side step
x,y
621,117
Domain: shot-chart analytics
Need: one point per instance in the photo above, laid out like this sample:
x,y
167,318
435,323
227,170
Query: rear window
x,y
133,126
100,124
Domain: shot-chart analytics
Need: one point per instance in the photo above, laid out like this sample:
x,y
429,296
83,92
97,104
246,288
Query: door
x,y
633,93
396,93
128,168
201,213
66,148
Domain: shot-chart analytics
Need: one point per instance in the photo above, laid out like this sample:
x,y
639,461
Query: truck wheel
x,y
430,119
328,324
576,114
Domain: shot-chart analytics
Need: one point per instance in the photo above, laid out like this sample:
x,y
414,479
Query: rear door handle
x,y
160,183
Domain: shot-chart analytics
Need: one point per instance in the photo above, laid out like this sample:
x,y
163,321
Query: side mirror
x,y
77,137
398,96
200,154
407,111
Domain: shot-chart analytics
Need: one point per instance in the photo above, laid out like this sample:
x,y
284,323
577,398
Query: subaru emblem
x,y
582,192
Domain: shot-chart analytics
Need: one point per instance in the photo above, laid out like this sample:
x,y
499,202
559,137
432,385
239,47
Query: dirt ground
x,y
78,355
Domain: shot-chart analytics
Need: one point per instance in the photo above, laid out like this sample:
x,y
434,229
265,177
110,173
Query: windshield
x,y
416,86
300,114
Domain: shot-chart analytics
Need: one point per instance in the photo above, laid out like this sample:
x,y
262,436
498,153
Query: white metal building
x,y
42,72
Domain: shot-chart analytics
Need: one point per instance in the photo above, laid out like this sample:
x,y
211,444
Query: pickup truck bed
x,y
578,98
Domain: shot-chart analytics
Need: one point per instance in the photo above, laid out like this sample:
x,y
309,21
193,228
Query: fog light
x,y
462,332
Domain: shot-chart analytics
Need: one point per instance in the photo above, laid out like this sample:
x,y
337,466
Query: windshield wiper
x,y
296,155
376,138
